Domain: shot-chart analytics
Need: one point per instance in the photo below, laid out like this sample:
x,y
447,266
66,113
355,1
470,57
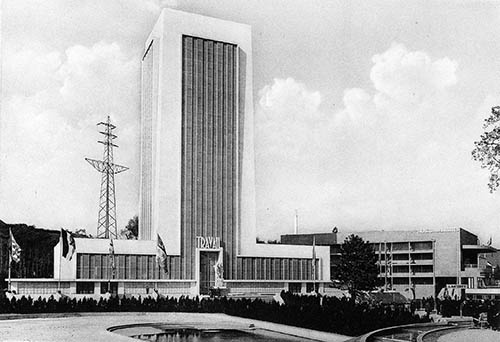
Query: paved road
x,y
92,327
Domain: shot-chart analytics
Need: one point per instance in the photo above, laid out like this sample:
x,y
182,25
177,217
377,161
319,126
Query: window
x,y
286,268
111,287
421,245
295,287
400,269
422,268
400,246
120,266
310,287
85,287
421,256
422,281
400,281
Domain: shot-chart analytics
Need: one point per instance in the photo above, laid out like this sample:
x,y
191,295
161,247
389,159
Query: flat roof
x,y
482,249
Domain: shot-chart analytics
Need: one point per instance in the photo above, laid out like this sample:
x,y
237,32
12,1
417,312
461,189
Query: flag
x,y
161,254
313,261
219,271
68,244
112,256
72,246
15,249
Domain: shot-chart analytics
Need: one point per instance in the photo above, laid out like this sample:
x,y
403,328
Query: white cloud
x,y
169,3
289,118
61,23
366,162
410,76
358,107
48,130
29,70
289,99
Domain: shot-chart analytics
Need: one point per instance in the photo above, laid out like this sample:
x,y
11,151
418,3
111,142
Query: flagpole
x,y
110,269
385,260
60,261
314,263
10,258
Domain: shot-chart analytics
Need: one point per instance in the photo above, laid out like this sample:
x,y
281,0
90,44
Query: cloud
x,y
50,126
404,84
169,3
289,99
60,24
289,116
366,163
29,70
358,107
410,76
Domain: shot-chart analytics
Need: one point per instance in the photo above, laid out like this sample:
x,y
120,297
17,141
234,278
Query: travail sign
x,y
207,242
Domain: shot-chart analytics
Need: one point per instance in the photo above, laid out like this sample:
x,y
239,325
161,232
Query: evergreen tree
x,y
131,230
357,269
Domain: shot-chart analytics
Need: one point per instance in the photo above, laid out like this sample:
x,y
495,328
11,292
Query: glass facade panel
x,y
400,269
400,246
422,268
85,288
96,266
276,268
400,281
421,245
421,256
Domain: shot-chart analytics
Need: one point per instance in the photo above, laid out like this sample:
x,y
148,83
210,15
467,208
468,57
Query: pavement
x,y
79,327
479,335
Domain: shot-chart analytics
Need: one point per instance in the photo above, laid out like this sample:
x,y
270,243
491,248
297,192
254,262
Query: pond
x,y
167,333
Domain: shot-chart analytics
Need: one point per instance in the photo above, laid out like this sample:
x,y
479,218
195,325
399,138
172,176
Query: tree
x,y
81,233
487,150
357,269
131,230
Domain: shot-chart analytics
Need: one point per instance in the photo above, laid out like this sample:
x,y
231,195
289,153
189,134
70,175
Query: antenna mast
x,y
106,222
296,226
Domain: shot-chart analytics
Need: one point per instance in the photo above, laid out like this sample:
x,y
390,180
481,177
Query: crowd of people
x,y
490,309
330,314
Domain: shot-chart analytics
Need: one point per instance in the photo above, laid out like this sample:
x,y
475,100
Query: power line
x,y
106,222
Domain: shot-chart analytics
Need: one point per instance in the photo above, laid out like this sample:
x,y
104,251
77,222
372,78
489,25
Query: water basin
x,y
169,333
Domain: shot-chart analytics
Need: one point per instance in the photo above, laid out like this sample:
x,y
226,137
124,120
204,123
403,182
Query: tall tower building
x,y
197,152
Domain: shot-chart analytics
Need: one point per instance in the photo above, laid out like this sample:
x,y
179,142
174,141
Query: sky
x,y
365,112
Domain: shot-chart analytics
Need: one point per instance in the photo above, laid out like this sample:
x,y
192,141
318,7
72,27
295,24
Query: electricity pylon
x,y
106,222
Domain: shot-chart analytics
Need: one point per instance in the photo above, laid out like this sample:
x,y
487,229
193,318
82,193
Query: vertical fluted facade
x,y
147,170
197,154
210,180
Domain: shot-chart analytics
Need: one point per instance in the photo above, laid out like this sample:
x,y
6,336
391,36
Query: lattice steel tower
x,y
106,223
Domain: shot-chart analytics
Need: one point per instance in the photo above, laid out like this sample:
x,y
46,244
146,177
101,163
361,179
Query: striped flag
x,y
68,244
112,256
15,249
161,254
